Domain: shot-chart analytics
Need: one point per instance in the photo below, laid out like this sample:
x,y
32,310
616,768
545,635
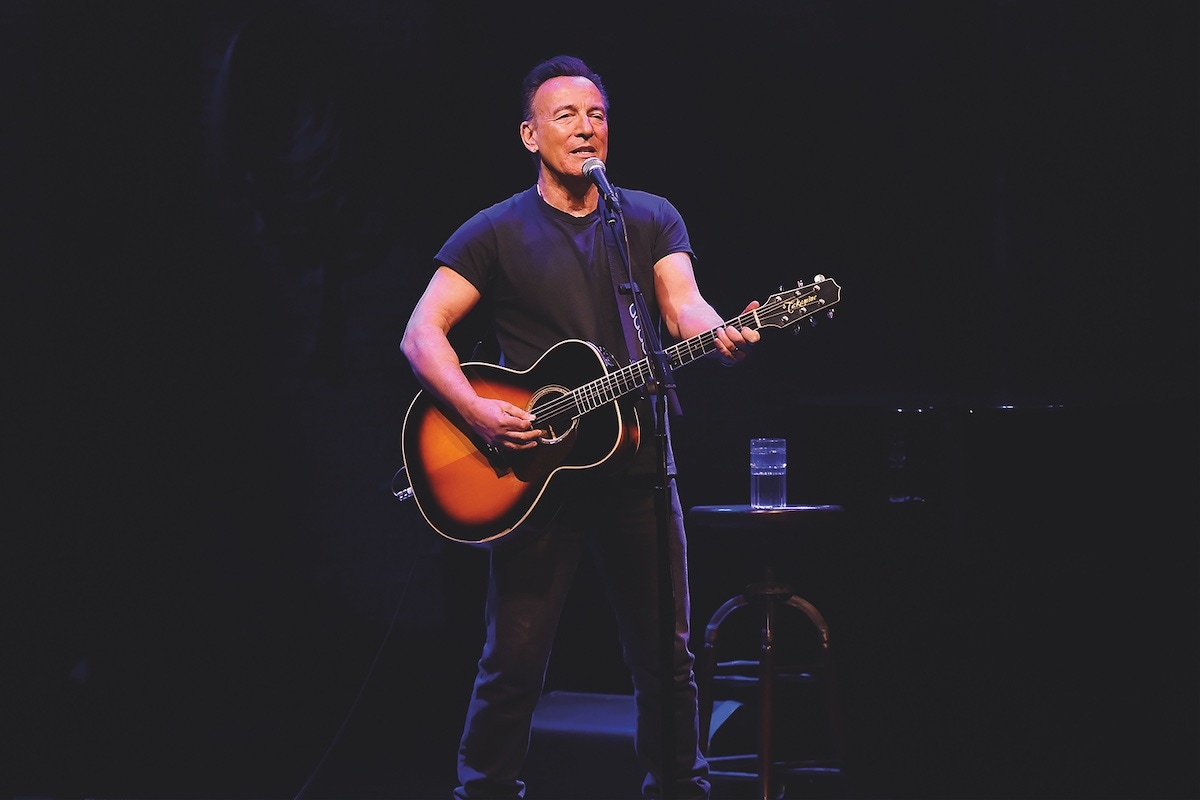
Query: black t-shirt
x,y
545,277
546,274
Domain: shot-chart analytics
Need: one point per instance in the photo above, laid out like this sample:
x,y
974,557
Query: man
x,y
541,259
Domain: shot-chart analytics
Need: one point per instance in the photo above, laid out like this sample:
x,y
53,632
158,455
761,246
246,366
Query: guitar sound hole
x,y
558,423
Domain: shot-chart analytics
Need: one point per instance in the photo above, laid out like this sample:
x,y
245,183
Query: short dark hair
x,y
556,67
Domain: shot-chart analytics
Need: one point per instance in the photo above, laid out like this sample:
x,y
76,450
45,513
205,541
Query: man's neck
x,y
558,196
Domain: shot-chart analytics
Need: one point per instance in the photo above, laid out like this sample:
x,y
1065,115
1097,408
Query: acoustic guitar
x,y
474,494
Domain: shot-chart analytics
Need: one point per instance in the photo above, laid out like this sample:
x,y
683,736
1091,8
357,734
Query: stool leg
x,y
706,666
766,685
829,680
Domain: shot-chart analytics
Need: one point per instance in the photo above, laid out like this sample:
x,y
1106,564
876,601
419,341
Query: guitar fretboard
x,y
780,310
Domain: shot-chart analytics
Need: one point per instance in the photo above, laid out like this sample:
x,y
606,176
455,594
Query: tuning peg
x,y
818,278
829,314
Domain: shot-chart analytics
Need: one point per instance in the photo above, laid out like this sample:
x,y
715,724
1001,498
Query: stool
x,y
770,596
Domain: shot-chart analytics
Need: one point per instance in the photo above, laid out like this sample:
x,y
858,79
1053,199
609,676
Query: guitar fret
x,y
593,396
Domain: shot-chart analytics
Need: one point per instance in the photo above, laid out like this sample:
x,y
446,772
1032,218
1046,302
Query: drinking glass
x,y
768,473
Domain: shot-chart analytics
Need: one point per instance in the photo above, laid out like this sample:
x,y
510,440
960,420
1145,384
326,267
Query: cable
x,y
337,736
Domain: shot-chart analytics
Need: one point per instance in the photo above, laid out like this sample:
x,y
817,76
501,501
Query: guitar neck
x,y
633,377
781,310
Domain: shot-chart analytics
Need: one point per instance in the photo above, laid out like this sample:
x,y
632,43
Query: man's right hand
x,y
503,425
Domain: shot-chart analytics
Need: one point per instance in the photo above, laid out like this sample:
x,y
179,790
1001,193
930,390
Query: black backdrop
x,y
218,215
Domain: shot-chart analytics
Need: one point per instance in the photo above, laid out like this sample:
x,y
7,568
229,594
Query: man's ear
x,y
527,137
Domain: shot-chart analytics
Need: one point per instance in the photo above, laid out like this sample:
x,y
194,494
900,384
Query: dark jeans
x,y
614,521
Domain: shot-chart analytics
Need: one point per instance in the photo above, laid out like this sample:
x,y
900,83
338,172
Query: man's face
x,y
569,125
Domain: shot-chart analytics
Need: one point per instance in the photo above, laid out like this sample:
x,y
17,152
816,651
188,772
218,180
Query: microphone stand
x,y
664,385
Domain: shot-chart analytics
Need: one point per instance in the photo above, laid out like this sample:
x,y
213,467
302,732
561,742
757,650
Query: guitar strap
x,y
623,288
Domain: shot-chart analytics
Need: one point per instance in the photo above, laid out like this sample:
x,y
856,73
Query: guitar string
x,y
570,401
595,390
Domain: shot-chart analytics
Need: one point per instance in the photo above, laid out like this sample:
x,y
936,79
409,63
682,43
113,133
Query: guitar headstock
x,y
788,306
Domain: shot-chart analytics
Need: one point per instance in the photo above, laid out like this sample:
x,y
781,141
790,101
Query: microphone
x,y
594,169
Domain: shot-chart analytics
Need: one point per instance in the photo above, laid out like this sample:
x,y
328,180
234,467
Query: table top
x,y
745,515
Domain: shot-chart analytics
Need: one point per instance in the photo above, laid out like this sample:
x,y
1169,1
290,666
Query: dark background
x,y
217,217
